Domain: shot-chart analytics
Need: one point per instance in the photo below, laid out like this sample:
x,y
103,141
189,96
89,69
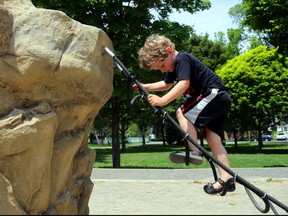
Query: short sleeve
x,y
183,70
170,77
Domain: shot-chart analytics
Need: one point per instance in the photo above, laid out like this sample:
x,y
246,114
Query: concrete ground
x,y
180,192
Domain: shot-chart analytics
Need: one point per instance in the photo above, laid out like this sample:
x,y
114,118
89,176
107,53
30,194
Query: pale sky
x,y
209,21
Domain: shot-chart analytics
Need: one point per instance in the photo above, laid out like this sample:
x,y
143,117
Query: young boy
x,y
206,105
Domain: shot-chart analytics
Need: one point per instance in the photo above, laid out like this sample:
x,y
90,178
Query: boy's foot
x,y
180,157
228,186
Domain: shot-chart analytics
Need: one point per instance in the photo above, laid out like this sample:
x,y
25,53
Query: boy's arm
x,y
175,92
157,86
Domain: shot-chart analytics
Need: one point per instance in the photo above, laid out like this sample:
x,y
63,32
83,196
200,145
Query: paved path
x,y
180,192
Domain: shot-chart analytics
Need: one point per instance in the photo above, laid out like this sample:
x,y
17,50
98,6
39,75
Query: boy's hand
x,y
136,88
155,100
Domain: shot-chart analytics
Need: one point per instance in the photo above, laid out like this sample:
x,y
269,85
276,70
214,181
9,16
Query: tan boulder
x,y
54,79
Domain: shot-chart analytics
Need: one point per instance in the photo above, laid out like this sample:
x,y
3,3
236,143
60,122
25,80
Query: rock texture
x,y
54,79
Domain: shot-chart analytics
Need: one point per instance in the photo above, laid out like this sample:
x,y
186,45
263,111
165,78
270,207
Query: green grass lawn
x,y
274,154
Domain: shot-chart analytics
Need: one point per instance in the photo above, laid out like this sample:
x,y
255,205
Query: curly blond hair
x,y
154,49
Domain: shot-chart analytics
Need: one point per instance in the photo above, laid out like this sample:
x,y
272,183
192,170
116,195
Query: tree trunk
x,y
115,133
260,141
143,137
235,137
162,133
123,141
123,138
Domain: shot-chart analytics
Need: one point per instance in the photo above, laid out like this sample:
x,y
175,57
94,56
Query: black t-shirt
x,y
202,79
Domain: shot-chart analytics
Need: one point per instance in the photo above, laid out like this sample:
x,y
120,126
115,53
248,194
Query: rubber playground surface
x,y
180,192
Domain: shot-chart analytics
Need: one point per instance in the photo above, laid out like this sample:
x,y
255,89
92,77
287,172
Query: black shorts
x,y
208,110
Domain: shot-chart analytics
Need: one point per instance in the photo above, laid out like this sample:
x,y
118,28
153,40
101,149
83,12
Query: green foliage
x,y
242,38
258,87
269,17
212,54
142,116
255,42
133,131
234,36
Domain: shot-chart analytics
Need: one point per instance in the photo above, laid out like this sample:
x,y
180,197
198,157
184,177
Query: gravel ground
x,y
180,192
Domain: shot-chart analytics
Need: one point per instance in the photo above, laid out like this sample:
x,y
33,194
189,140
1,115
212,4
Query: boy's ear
x,y
169,50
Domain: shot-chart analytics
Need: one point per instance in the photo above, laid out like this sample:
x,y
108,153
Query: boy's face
x,y
167,65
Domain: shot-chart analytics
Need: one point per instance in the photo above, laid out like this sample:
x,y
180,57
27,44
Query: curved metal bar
x,y
212,167
135,98
273,209
265,200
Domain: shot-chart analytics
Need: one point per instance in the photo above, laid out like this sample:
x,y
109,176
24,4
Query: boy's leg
x,y
194,154
219,153
188,127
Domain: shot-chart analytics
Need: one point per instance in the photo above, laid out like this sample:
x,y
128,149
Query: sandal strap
x,y
221,182
226,186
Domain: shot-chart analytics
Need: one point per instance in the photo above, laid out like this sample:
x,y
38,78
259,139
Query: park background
x,y
250,57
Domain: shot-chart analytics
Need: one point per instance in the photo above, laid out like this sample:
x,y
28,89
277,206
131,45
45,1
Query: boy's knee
x,y
179,113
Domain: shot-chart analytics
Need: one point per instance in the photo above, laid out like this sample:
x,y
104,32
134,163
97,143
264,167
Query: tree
x,y
244,33
213,54
115,132
258,86
102,122
143,118
235,37
267,18
125,120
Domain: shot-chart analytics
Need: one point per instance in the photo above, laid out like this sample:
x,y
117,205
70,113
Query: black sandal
x,y
228,186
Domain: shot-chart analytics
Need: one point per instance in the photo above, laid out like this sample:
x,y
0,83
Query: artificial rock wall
x,y
54,79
